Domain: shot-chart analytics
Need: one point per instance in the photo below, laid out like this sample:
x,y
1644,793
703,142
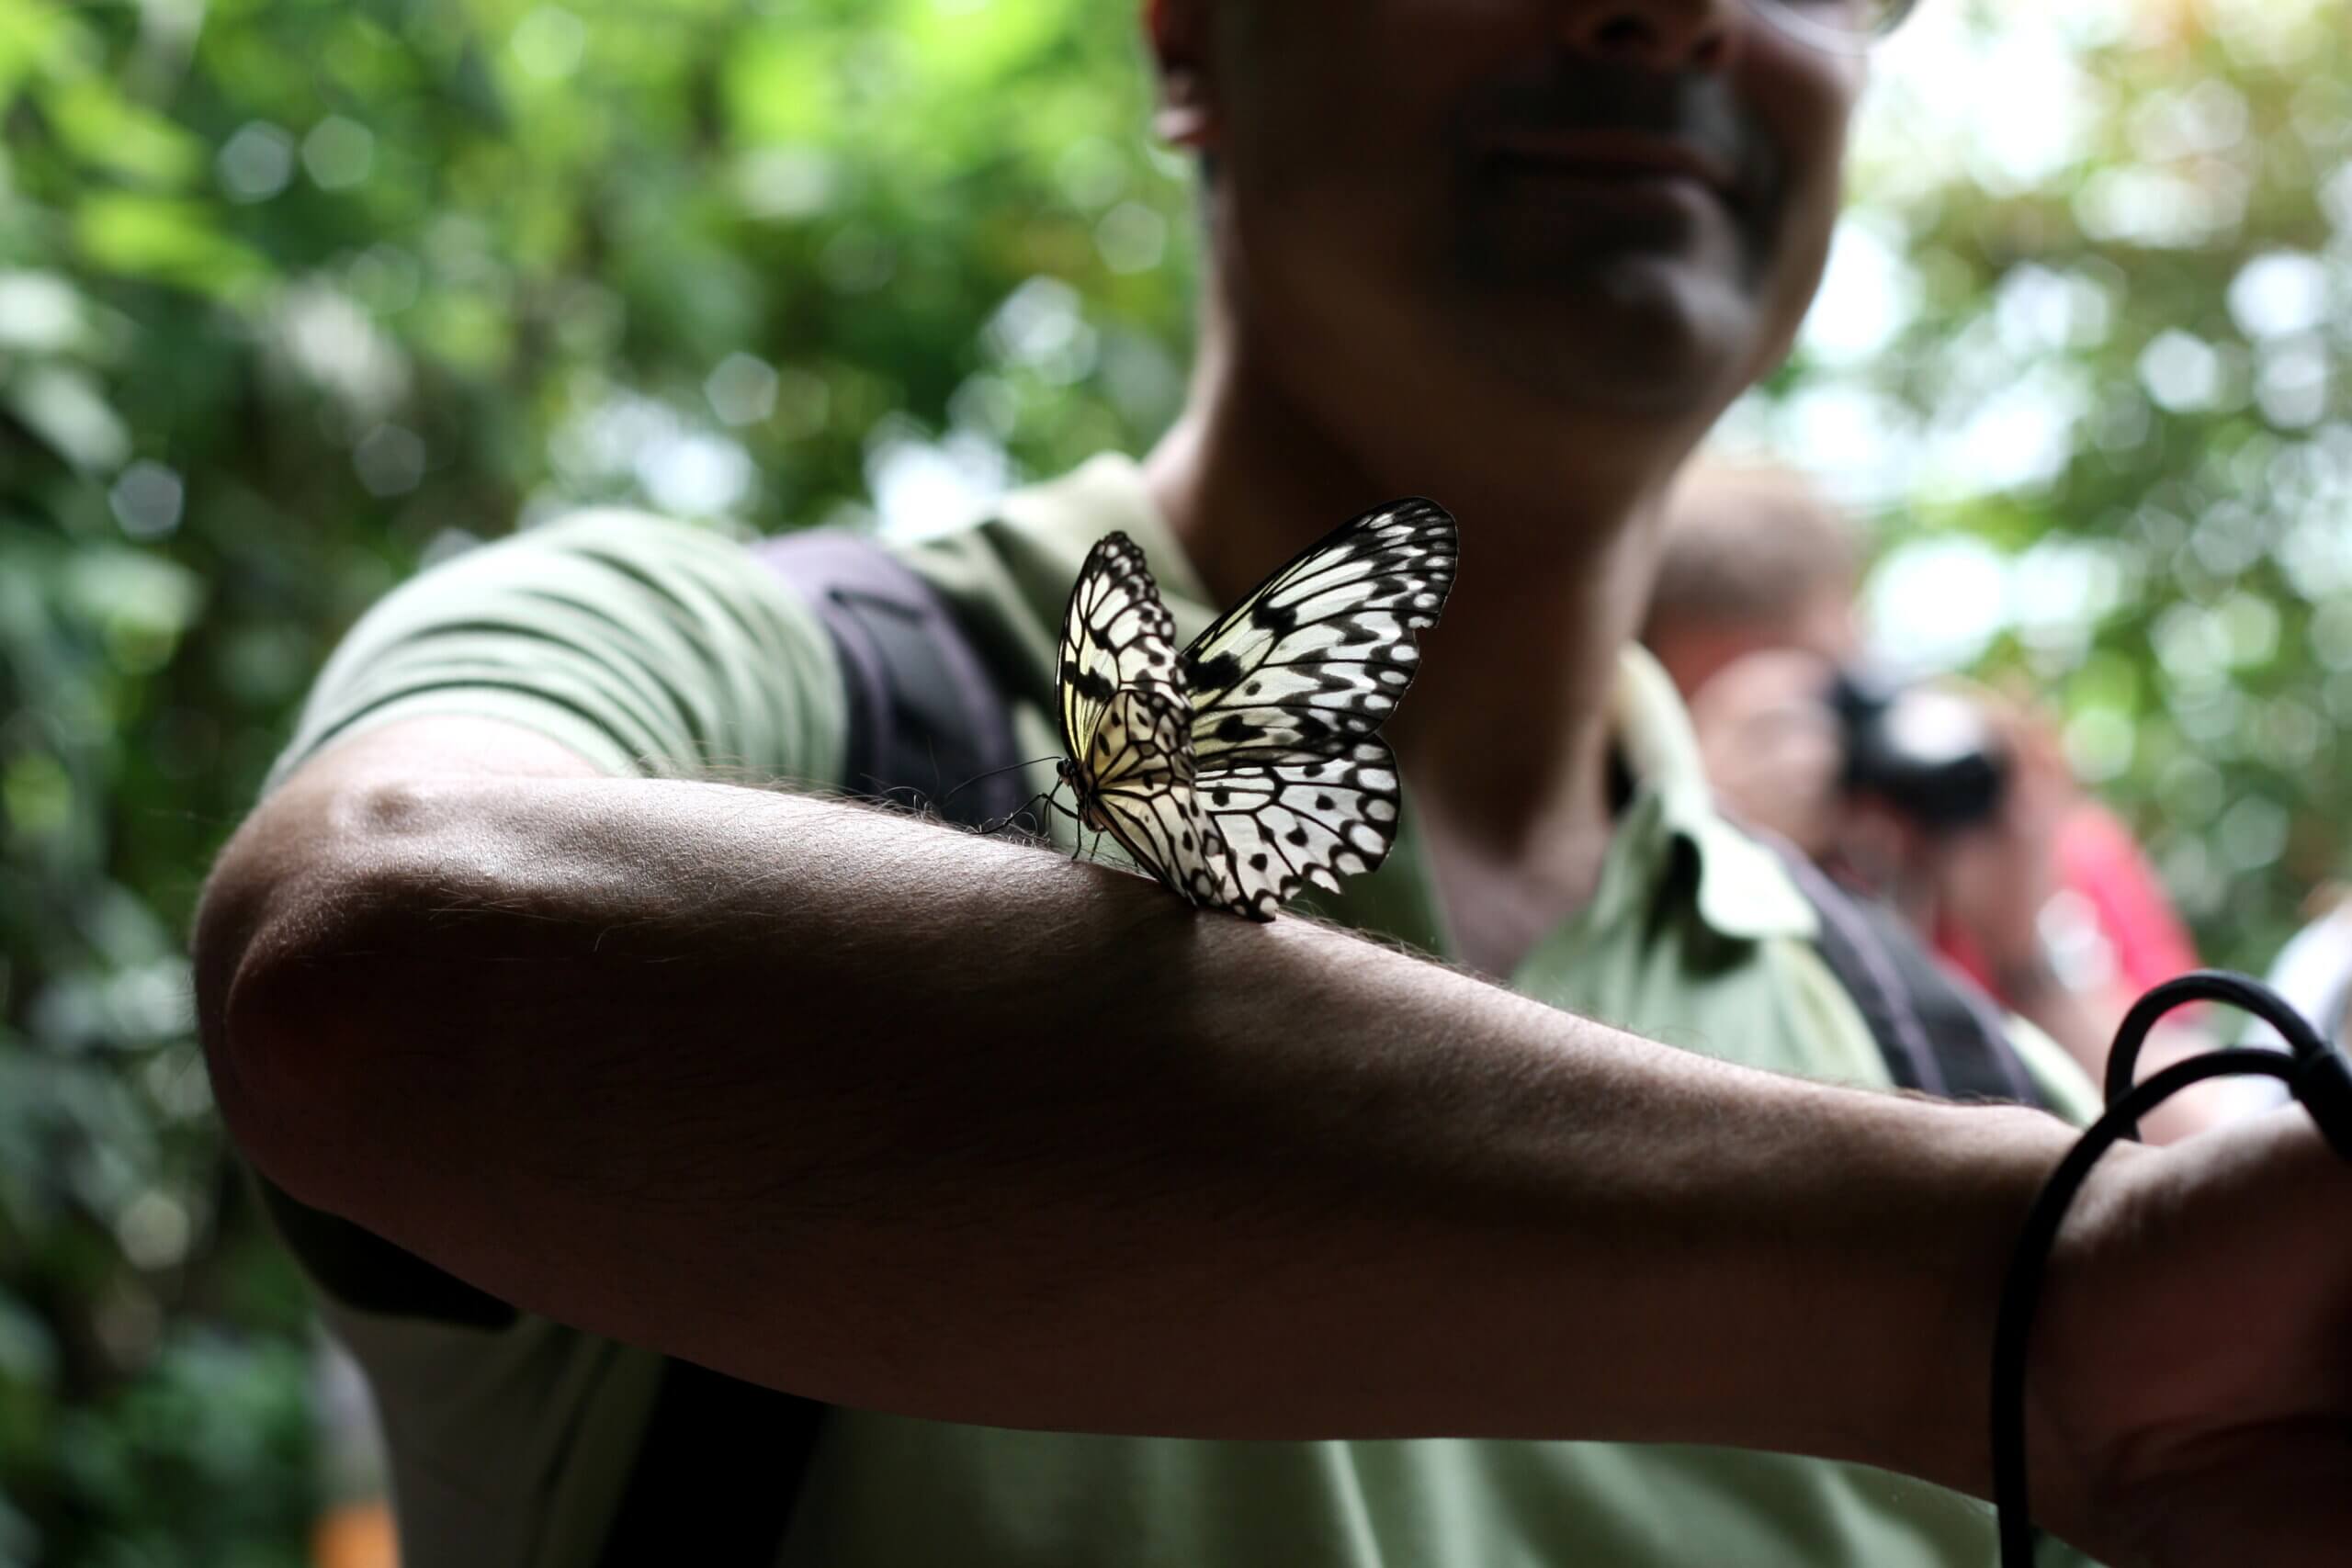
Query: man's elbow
x,y
275,1007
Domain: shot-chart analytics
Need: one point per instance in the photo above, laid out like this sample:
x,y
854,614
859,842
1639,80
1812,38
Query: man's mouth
x,y
1631,162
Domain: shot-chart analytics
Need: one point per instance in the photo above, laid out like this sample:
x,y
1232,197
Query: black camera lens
x,y
1932,755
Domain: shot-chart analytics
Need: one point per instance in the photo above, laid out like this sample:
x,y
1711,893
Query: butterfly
x,y
1246,767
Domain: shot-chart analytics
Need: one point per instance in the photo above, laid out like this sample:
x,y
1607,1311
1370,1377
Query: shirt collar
x,y
1744,891
1064,517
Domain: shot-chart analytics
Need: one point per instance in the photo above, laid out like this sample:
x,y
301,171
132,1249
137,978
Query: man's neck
x,y
1505,737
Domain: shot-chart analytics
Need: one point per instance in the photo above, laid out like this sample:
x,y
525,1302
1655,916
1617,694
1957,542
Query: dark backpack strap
x,y
1938,1033
926,723
721,1460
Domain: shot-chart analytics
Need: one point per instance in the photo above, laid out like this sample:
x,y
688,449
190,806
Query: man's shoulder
x,y
639,641
1020,554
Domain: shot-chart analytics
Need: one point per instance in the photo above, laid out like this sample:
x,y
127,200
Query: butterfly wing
x,y
1116,634
1323,651
1142,766
1287,690
1126,722
1282,825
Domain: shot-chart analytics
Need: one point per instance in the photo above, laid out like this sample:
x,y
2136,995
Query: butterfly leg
x,y
1002,823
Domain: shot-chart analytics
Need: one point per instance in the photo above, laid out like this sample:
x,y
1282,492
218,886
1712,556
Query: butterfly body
x,y
1246,768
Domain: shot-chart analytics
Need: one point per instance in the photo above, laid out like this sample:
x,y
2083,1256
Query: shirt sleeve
x,y
650,647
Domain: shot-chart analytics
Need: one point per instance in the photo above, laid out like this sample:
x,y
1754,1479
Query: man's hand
x,y
2191,1395
1990,881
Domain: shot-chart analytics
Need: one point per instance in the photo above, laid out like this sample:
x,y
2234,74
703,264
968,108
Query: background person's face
x,y
1608,205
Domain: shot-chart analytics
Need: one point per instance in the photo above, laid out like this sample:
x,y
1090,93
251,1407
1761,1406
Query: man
x,y
1752,617
990,1151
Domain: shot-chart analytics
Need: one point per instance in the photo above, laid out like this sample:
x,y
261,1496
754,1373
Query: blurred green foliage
x,y
295,295
2115,363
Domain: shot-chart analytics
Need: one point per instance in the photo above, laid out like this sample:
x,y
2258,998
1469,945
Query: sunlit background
x,y
295,296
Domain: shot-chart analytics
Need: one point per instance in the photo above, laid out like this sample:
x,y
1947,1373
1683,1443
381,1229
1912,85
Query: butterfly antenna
x,y
992,773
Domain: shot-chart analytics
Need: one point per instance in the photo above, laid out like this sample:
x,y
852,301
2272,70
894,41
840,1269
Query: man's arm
x,y
904,1118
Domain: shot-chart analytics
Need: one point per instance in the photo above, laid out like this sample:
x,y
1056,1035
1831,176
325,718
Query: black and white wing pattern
x,y
1143,791
1126,723
1322,652
1116,634
1284,825
1247,769
1287,689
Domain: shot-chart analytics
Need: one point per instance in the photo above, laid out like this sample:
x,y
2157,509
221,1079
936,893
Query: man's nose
x,y
1655,35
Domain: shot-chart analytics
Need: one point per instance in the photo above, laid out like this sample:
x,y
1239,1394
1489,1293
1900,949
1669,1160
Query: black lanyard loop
x,y
2315,1071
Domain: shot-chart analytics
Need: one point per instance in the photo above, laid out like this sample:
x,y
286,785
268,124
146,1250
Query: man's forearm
x,y
905,1118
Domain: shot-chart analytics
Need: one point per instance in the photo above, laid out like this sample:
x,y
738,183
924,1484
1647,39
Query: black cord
x,y
2202,985
2318,1077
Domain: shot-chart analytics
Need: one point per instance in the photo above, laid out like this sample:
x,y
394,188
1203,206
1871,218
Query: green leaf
x,y
31,32
108,131
122,588
69,411
42,312
166,241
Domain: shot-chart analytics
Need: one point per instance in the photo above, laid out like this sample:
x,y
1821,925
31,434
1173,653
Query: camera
x,y
1932,755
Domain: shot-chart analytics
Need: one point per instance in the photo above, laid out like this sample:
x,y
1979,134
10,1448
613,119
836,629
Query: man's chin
x,y
1643,342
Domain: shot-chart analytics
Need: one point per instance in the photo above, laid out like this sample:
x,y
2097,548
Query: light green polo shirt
x,y
652,647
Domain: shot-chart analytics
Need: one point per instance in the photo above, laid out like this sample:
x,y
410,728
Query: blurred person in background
x,y
1955,806
592,1089
2313,969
